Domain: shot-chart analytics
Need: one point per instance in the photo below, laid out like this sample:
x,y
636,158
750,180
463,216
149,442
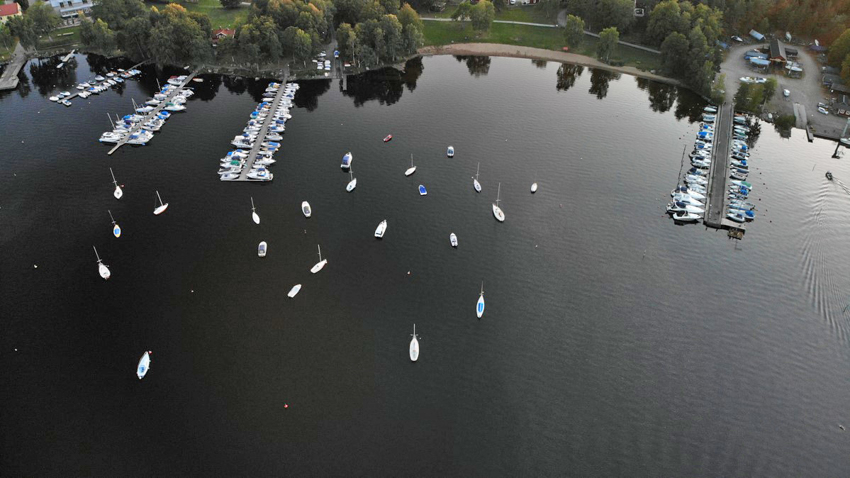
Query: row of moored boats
x,y
138,128
97,85
689,198
264,131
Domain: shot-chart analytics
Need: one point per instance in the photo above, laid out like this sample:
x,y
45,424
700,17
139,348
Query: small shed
x,y
792,52
777,52
758,36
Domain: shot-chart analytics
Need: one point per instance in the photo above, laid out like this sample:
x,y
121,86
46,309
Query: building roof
x,y
841,88
777,50
10,9
223,32
830,79
758,36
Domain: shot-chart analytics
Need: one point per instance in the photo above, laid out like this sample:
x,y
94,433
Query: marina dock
x,y
252,155
74,95
715,214
171,94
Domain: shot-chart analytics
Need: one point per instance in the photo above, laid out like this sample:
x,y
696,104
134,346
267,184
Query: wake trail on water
x,y
818,278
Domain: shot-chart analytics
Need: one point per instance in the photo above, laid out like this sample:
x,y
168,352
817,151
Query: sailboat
x,y
479,307
161,208
475,183
118,192
116,229
294,291
321,264
144,365
352,183
411,169
533,188
254,215
102,268
497,211
414,346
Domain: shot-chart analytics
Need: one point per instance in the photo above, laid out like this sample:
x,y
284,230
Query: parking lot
x,y
806,91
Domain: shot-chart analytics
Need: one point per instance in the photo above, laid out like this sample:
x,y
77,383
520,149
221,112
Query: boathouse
x,y
778,55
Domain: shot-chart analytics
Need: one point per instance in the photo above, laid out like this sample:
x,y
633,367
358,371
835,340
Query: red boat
x,y
388,138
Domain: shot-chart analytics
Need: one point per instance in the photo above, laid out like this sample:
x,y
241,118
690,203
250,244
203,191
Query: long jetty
x,y
718,176
74,95
9,80
264,129
136,127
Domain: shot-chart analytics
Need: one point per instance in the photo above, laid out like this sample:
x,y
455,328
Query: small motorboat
x,y
450,152
735,216
422,190
294,291
162,206
54,98
346,160
66,102
414,346
829,175
305,208
382,228
144,365
533,188
262,248
710,109
453,239
685,217
388,138
479,306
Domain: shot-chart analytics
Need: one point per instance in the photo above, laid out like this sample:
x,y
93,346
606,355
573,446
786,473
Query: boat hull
x,y
319,266
144,365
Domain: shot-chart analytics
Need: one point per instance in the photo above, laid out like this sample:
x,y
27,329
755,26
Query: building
x,y
777,52
70,10
221,33
9,11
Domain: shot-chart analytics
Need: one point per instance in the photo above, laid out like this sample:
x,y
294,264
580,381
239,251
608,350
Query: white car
x,y
822,110
786,93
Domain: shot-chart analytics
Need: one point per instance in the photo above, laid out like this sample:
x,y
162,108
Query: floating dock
x,y
171,94
252,155
718,173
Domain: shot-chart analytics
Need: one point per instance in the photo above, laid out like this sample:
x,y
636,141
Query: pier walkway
x,y
136,127
252,156
718,175
74,95
9,80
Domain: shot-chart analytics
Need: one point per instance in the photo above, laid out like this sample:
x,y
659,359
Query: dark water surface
x,y
613,343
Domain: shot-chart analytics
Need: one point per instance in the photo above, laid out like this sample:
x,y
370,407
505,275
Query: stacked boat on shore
x,y
138,128
233,164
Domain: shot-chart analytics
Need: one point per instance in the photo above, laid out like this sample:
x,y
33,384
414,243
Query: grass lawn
x,y
442,33
62,36
6,53
219,17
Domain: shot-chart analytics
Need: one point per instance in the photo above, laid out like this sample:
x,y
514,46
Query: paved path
x,y
9,80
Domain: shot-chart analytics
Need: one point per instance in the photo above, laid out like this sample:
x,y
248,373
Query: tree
x,y
769,89
44,18
839,49
6,37
177,39
718,89
230,3
408,16
482,15
615,13
413,38
845,69
133,39
97,35
674,55
549,8
346,40
302,45
500,4
665,19
23,28
742,96
25,4
573,31
608,40
462,12
393,38
118,12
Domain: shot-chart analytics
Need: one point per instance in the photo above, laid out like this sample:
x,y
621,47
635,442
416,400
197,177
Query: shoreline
x,y
515,51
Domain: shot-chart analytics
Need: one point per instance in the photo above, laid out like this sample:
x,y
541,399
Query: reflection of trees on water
x,y
662,96
477,65
567,76
309,92
46,77
540,64
234,84
385,85
689,106
599,81
207,89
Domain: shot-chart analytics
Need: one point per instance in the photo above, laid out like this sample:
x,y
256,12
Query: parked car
x,y
786,93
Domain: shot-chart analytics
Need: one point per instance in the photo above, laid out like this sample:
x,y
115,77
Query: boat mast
x,y
110,216
96,254
252,203
411,165
320,252
476,170
498,194
113,174
158,197
482,287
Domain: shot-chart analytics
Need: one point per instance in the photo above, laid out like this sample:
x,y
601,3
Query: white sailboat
x,y
479,307
116,229
161,208
382,228
305,208
262,248
321,264
475,183
414,346
102,268
353,181
144,365
411,169
118,192
497,211
254,215
294,291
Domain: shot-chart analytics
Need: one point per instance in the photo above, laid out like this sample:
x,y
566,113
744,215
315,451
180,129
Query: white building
x,y
70,9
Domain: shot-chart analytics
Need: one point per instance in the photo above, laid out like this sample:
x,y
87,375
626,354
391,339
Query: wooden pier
x,y
74,95
264,129
136,127
718,173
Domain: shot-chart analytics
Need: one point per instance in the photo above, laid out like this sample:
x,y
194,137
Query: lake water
x,y
613,343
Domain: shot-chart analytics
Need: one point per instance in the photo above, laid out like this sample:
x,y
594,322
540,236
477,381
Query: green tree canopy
x,y
24,28
839,49
177,39
346,40
462,12
230,3
665,19
574,31
608,40
482,15
98,36
769,89
615,13
117,12
674,53
44,18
